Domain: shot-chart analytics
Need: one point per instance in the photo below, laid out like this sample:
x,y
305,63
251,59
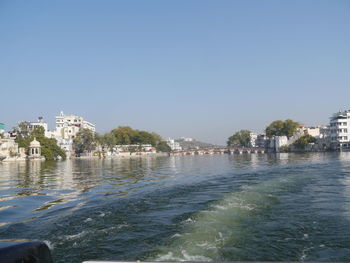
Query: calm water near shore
x,y
287,207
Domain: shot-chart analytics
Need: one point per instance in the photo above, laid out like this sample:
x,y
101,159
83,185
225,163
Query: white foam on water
x,y
188,221
169,257
188,257
220,207
49,244
205,244
76,236
223,223
88,219
122,226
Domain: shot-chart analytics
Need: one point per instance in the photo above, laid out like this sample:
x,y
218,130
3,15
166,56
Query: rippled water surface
x,y
226,208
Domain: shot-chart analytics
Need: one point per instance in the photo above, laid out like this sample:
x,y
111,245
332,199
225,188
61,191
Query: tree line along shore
x,y
87,141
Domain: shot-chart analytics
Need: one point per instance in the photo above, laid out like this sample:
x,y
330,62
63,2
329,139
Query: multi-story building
x,y
31,125
67,126
175,146
73,121
340,130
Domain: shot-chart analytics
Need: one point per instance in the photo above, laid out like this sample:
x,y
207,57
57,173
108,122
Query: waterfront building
x,y
277,142
313,131
67,126
253,137
258,140
340,130
63,121
175,146
131,149
134,148
30,126
324,140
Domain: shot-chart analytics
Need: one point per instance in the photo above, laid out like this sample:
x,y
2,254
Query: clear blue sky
x,y
202,69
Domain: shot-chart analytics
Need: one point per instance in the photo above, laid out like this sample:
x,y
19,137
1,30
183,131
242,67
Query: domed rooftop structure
x,y
34,143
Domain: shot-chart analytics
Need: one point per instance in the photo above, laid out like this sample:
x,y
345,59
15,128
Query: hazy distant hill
x,y
194,144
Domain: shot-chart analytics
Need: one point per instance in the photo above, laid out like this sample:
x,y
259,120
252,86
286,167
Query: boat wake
x,y
220,231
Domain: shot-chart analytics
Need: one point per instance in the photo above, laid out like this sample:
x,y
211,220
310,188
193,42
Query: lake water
x,y
264,207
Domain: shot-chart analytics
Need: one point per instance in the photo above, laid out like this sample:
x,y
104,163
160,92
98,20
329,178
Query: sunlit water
x,y
223,208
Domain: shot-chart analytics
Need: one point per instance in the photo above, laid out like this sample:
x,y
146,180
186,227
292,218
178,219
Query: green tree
x,y
109,140
22,129
284,149
49,148
290,128
240,139
85,140
282,128
303,141
143,137
162,146
123,135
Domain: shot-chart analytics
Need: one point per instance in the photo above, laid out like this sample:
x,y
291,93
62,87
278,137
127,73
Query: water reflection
x,y
111,208
68,182
27,189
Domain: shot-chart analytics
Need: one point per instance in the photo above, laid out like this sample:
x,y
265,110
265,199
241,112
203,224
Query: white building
x,y
31,125
73,121
67,126
253,138
340,130
258,140
175,146
276,142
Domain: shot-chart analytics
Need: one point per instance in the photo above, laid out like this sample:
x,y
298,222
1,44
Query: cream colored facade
x,y
67,127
